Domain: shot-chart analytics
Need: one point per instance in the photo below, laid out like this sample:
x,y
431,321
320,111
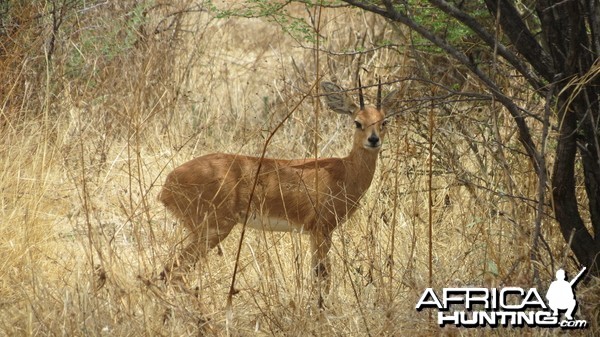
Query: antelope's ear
x,y
390,102
337,99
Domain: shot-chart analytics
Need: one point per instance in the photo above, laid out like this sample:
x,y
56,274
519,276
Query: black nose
x,y
373,139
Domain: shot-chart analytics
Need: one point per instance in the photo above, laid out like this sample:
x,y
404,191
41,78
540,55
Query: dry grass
x,y
87,141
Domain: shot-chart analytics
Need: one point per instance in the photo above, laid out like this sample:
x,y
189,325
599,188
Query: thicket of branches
x,y
553,46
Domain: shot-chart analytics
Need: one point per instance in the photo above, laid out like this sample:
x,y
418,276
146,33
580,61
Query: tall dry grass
x,y
93,121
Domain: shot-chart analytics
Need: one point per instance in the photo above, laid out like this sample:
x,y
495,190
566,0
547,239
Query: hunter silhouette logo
x,y
561,296
508,306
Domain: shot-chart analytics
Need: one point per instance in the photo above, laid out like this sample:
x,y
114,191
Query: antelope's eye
x,y
358,125
384,123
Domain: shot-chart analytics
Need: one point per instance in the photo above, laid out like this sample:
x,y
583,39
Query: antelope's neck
x,y
360,165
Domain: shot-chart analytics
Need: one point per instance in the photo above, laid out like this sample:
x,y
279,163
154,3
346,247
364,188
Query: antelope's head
x,y
370,121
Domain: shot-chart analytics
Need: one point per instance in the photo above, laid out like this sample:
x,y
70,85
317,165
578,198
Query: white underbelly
x,y
272,224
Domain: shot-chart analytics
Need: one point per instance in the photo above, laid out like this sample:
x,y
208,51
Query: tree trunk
x,y
573,52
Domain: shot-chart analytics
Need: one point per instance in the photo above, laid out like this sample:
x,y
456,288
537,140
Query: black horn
x,y
379,93
360,95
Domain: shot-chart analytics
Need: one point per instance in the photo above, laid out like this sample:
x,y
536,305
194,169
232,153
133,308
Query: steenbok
x,y
211,194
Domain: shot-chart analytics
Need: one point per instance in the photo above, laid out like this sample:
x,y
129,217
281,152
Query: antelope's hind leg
x,y
201,240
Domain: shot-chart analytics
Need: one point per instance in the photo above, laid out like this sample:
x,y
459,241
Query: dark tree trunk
x,y
573,53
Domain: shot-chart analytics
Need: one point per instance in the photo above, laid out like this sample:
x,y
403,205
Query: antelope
x,y
210,194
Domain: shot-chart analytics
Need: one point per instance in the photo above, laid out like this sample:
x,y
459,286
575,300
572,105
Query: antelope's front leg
x,y
321,244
